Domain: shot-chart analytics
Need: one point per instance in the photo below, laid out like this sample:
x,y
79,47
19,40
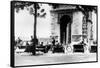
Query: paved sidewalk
x,y
52,58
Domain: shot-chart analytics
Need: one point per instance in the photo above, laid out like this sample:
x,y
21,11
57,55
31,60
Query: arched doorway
x,y
65,29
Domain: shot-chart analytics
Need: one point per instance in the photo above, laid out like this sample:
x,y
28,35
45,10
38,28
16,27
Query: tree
x,y
86,9
21,5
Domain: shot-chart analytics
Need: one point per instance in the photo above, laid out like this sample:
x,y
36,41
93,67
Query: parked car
x,y
57,48
80,47
21,45
48,46
93,47
42,49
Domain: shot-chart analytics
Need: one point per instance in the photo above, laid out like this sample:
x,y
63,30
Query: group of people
x,y
30,47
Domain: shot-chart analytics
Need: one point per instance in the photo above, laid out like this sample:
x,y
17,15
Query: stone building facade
x,y
69,25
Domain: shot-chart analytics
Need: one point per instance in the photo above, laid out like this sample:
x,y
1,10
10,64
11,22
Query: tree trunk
x,y
35,37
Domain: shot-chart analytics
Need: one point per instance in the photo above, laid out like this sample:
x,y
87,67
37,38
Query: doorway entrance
x,y
65,29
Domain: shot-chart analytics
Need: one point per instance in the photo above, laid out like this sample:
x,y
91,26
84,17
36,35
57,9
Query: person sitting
x,y
41,44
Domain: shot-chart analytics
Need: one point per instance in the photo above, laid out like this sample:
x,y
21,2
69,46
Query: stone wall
x,y
55,27
77,26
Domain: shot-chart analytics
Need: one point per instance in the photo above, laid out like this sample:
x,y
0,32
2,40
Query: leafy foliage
x,y
85,9
30,6
54,6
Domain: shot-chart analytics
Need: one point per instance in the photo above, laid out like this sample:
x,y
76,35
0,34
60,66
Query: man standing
x,y
53,41
34,42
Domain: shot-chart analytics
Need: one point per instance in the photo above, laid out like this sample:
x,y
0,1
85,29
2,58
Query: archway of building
x,y
65,29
